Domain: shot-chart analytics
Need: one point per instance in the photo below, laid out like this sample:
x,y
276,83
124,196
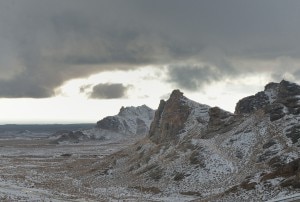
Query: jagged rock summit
x,y
278,99
213,155
180,116
170,118
129,121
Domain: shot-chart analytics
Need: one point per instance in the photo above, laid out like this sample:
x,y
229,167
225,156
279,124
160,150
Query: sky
x,y
74,61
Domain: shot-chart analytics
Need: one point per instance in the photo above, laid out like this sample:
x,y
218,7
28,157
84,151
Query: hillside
x,y
206,153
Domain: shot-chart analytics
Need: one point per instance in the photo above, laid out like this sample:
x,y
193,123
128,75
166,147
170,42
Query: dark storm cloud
x,y
23,89
109,91
45,43
192,77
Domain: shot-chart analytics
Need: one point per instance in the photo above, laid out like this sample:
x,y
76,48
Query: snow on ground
x,y
35,170
293,197
272,94
31,169
242,143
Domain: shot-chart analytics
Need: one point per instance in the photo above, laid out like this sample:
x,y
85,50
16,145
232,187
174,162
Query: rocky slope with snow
x,y
213,155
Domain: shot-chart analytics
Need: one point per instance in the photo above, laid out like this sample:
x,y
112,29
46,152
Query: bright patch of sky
x,y
147,87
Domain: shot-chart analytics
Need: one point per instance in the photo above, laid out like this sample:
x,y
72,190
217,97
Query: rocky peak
x,y
251,103
287,90
170,118
176,95
135,111
129,121
272,86
276,99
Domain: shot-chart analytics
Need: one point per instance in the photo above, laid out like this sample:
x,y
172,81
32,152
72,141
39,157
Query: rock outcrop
x,y
278,99
170,118
180,116
65,136
252,103
129,121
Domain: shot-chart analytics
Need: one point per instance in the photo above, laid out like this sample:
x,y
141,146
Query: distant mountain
x,y
129,122
214,155
37,130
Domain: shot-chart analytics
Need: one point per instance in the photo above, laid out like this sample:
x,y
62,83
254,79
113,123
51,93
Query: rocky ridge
x,y
210,154
278,99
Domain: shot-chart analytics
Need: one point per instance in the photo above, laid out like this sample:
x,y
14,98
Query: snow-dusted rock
x,y
129,121
193,148
278,99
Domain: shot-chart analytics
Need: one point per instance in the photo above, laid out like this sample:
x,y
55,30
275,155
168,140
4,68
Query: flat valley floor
x,y
37,170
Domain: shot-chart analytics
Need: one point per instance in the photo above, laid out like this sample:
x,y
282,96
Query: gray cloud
x,y
45,43
192,77
297,75
109,91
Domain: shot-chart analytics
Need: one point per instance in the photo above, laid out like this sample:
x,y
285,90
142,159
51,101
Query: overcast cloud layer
x,y
45,43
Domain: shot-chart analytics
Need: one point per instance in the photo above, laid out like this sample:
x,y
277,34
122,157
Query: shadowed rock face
x,y
290,171
276,111
169,119
252,103
110,123
276,98
218,118
289,96
220,121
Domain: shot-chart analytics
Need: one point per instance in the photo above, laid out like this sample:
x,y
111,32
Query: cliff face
x,y
179,117
169,119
